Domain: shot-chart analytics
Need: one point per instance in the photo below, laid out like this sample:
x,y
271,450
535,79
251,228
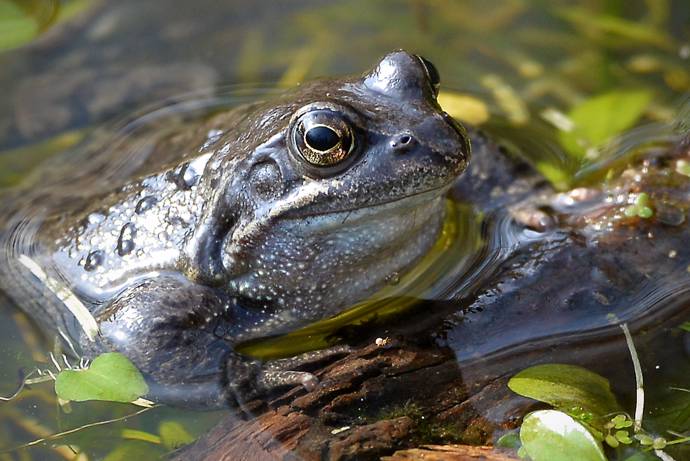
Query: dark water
x,y
110,69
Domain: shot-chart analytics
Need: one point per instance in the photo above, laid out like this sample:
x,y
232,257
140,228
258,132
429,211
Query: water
x,y
110,72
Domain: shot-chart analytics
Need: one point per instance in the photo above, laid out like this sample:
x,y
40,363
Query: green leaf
x,y
556,175
635,32
509,440
550,435
598,119
644,439
111,377
683,167
174,435
612,441
134,450
522,454
618,421
645,212
134,434
16,27
623,437
659,443
568,388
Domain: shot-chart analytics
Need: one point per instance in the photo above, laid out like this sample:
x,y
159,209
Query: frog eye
x,y
323,138
431,73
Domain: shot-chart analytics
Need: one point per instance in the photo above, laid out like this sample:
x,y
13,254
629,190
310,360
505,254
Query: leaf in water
x,y
464,107
111,377
174,435
566,387
551,435
134,450
134,434
636,32
21,21
598,119
509,440
557,176
16,27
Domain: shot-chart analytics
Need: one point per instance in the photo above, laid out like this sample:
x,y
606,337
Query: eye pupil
x,y
322,138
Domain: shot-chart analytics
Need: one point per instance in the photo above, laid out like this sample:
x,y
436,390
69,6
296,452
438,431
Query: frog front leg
x,y
177,334
248,379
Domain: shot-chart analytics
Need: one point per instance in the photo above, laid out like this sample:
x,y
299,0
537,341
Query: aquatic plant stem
x,y
639,401
76,429
663,455
23,382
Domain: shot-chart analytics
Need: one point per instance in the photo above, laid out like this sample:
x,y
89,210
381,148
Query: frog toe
x,y
273,379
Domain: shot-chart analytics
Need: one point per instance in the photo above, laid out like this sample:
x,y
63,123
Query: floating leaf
x,y
464,107
623,437
630,31
566,387
509,440
640,207
556,175
21,21
611,441
551,435
16,27
602,117
174,435
134,450
134,434
683,167
620,422
111,377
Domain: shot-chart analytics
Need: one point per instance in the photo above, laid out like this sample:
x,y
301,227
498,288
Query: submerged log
x,y
418,393
450,453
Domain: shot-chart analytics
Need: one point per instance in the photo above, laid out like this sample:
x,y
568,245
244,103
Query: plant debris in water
x,y
111,377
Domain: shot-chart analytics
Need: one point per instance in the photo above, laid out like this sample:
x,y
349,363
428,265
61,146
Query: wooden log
x,y
450,453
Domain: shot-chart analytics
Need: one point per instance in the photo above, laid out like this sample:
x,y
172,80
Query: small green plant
x,y
585,417
640,208
617,431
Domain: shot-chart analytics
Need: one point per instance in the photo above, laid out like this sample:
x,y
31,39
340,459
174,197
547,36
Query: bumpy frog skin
x,y
250,224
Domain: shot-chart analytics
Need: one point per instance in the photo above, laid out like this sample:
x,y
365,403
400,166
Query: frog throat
x,y
390,301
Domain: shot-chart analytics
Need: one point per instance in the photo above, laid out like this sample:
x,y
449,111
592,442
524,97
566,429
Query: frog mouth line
x,y
376,207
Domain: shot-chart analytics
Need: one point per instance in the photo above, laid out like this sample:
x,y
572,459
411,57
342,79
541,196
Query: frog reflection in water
x,y
291,212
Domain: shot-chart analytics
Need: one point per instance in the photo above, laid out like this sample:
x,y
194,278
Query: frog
x,y
251,223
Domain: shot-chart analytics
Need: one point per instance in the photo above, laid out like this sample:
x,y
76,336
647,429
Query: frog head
x,y
323,194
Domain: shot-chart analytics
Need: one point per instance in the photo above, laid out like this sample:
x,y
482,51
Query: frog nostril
x,y
402,142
